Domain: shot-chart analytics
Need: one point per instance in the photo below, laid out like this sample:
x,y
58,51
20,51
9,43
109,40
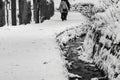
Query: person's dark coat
x,y
63,6
64,9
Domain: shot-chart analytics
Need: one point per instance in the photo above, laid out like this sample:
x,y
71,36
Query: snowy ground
x,y
30,52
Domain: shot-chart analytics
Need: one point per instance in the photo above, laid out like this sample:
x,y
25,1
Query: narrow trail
x,y
29,52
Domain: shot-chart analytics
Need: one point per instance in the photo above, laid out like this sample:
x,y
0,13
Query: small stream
x,y
74,65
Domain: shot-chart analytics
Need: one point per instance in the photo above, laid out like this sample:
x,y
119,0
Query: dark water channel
x,y
78,67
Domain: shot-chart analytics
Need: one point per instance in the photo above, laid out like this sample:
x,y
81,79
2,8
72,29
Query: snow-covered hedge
x,y
87,9
104,50
72,33
101,44
84,8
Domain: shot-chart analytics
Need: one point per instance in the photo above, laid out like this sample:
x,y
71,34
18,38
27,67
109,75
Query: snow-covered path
x,y
31,53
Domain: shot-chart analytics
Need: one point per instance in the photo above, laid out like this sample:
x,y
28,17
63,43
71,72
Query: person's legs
x,y
66,15
62,16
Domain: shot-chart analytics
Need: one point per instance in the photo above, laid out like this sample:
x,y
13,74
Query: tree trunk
x,y
46,9
7,12
36,10
2,13
13,11
29,12
43,10
20,11
24,12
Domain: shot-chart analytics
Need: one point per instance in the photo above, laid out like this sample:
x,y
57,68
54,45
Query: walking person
x,y
64,7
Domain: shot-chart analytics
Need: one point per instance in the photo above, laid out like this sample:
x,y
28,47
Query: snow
x,y
106,46
84,1
30,52
57,2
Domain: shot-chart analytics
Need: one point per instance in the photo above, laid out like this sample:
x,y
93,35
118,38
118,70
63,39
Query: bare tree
x,y
13,7
7,4
2,13
46,9
24,12
36,5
